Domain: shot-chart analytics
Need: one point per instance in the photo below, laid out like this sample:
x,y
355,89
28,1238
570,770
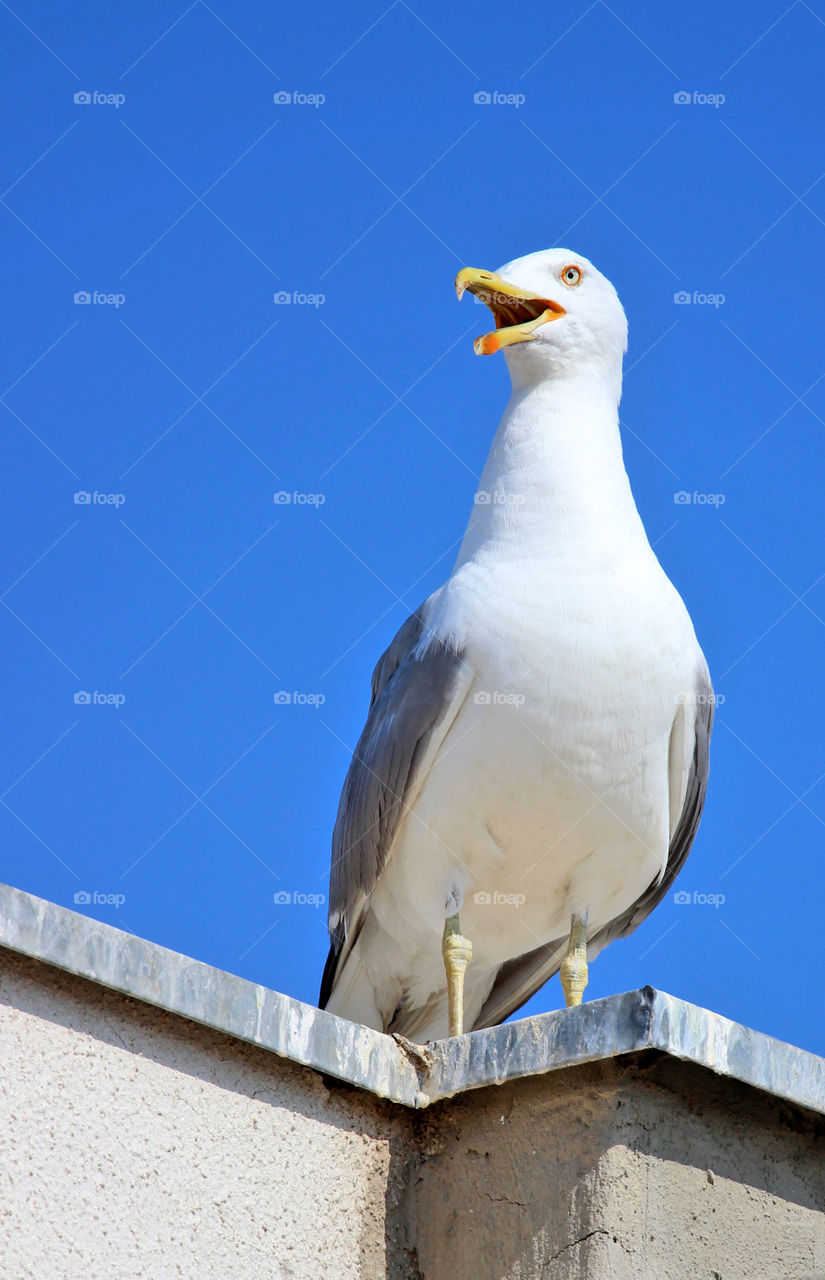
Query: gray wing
x,y
417,689
688,766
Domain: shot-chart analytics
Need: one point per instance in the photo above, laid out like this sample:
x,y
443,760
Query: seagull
x,y
534,762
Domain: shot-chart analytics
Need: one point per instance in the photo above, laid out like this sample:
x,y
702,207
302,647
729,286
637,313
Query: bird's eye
x,y
572,276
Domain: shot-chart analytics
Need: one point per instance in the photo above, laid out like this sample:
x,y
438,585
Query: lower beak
x,y
518,312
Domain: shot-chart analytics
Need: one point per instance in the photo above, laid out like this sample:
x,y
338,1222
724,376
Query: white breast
x,y
549,794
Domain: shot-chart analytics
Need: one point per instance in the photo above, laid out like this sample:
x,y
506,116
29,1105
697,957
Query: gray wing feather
x,y
414,688
687,825
519,979
405,639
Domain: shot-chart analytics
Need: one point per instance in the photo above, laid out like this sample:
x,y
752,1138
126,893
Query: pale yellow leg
x,y
457,952
573,971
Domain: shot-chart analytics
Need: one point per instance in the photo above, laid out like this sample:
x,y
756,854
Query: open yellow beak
x,y
518,312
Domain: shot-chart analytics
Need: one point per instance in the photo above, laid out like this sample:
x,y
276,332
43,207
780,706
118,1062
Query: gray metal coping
x,y
414,1076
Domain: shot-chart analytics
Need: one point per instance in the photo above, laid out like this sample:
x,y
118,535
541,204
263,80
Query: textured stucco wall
x,y
136,1144
643,1168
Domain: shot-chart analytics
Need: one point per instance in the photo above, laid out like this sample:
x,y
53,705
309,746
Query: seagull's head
x,y
554,312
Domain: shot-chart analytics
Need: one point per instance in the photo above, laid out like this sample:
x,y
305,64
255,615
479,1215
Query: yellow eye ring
x,y
572,275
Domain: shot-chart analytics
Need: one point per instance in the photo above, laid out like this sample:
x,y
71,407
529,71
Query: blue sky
x,y
149,227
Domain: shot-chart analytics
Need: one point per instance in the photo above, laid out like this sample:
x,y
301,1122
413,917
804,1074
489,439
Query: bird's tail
x,y
328,977
353,995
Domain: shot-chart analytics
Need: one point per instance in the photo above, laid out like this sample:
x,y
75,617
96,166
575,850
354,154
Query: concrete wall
x,y
638,1169
136,1144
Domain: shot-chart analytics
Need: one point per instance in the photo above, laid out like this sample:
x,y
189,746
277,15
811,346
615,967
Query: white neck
x,y
554,483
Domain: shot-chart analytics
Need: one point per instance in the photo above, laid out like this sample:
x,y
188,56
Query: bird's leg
x,y
457,952
573,971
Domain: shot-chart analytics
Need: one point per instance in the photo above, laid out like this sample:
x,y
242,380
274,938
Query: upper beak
x,y
517,311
